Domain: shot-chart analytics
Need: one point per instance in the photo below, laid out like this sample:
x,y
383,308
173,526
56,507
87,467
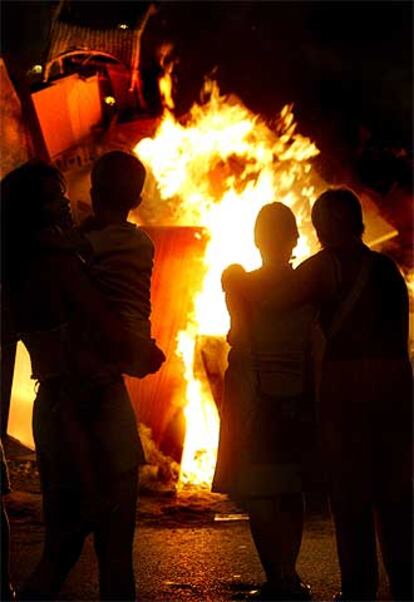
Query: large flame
x,y
217,169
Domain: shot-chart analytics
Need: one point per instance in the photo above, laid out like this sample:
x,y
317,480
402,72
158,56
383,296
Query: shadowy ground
x,y
182,552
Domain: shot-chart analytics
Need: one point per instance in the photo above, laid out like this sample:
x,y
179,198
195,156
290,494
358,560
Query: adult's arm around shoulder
x,y
311,282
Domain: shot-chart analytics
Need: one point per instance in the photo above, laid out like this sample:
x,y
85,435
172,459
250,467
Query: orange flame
x,y
217,170
165,82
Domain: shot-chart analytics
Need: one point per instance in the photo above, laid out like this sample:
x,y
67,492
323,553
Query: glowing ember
x,y
217,170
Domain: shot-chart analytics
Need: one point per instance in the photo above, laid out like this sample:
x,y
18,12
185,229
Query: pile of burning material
x,y
160,473
192,506
208,176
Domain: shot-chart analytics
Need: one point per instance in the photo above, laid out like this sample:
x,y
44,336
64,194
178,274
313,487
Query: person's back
x,y
267,410
280,343
377,325
119,255
365,396
121,263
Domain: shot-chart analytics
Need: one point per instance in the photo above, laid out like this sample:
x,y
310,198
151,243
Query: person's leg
x,y
114,538
63,544
346,429
355,540
277,525
394,499
64,528
352,508
81,447
60,553
7,592
118,471
395,521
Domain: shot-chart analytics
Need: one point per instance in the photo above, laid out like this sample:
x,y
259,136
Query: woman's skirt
x,y
263,438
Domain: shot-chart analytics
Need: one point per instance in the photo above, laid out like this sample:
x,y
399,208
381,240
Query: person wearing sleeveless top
x,y
267,409
365,394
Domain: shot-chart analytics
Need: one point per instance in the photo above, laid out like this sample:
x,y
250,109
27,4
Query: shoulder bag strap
x,y
349,302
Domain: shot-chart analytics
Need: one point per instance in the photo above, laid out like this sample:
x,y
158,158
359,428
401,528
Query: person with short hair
x,y
118,255
121,254
266,418
365,399
365,393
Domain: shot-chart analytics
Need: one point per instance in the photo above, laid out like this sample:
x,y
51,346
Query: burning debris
x,y
212,170
160,473
208,174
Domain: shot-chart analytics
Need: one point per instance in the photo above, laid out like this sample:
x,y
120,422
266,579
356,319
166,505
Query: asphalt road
x,y
207,562
182,553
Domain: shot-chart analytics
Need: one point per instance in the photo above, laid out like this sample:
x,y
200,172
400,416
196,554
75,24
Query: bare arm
x,y
233,273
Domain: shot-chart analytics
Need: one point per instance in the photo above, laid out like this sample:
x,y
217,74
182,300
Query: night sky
x,y
347,66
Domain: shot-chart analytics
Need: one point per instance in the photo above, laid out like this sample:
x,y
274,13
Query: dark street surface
x,y
181,552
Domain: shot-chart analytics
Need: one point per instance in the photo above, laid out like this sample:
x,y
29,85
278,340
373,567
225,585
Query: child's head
x,y
275,233
117,181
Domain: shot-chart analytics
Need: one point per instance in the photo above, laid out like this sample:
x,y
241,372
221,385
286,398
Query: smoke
x,y
160,473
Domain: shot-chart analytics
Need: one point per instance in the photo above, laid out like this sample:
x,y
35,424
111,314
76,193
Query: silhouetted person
x,y
267,410
365,394
118,257
49,296
120,254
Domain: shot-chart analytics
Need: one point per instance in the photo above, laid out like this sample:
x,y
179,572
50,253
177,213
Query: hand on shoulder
x,y
232,276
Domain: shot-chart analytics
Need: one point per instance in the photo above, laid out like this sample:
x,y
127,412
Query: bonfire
x,y
215,169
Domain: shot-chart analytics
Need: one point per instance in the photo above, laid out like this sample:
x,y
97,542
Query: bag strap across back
x,y
348,303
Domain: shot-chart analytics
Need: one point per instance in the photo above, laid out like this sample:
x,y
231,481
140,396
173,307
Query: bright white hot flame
x,y
198,461
216,170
